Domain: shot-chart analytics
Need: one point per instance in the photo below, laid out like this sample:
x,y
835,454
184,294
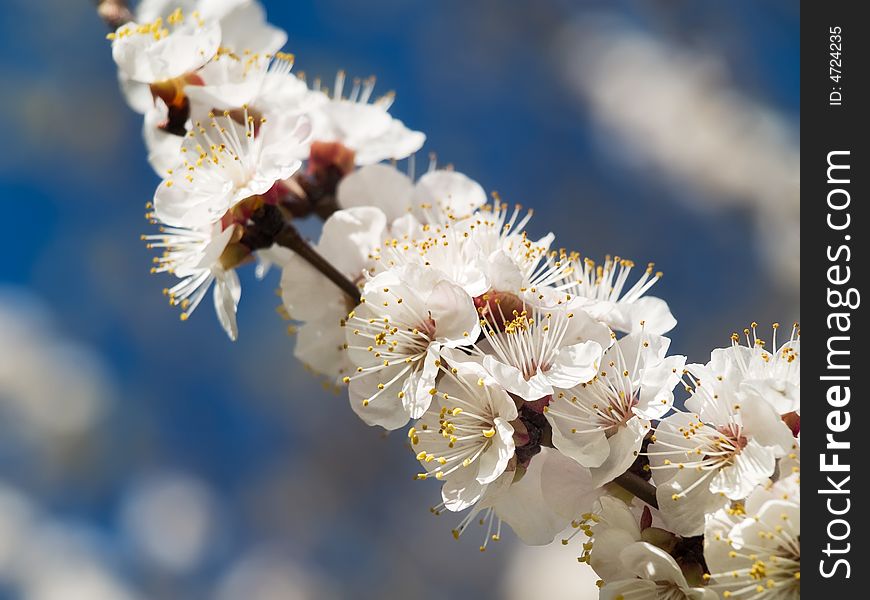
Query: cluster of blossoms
x,y
727,471
227,127
535,384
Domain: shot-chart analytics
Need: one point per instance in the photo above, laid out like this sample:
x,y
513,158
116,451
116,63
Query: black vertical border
x,y
826,128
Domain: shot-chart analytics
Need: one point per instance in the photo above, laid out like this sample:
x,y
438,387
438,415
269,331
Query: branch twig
x,y
115,13
635,484
289,237
292,239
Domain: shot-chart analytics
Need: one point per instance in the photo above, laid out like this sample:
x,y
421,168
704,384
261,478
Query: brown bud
x,y
330,155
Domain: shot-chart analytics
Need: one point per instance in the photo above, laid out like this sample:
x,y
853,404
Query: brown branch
x,y
114,13
303,195
270,224
317,195
289,237
641,488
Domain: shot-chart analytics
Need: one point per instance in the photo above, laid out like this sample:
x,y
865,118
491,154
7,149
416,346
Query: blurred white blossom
x,y
51,388
267,573
675,109
46,558
172,520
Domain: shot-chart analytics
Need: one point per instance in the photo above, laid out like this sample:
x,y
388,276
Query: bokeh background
x,y
142,457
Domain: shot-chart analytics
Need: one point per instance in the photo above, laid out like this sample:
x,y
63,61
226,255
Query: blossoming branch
x,y
536,385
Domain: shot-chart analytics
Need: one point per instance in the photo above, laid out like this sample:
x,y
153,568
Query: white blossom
x,y
535,350
629,565
362,124
524,504
656,576
519,497
511,261
601,423
379,185
261,82
443,222
243,22
502,349
243,31
720,451
435,197
465,438
439,249
753,549
395,338
443,195
773,372
194,256
164,49
607,296
223,162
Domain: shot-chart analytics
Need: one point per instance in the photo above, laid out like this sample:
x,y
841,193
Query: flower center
x,y
618,413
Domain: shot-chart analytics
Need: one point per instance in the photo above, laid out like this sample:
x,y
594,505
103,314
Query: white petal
x,y
351,123
605,553
574,365
164,149
227,292
461,490
782,400
776,511
523,507
137,94
752,466
309,296
654,312
184,50
386,409
636,589
406,225
419,388
395,143
656,387
245,27
349,237
588,449
284,143
456,319
583,327
762,421
513,381
319,347
624,446
378,185
149,10
502,273
179,204
650,562
566,486
493,462
685,516
216,246
273,255
457,193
